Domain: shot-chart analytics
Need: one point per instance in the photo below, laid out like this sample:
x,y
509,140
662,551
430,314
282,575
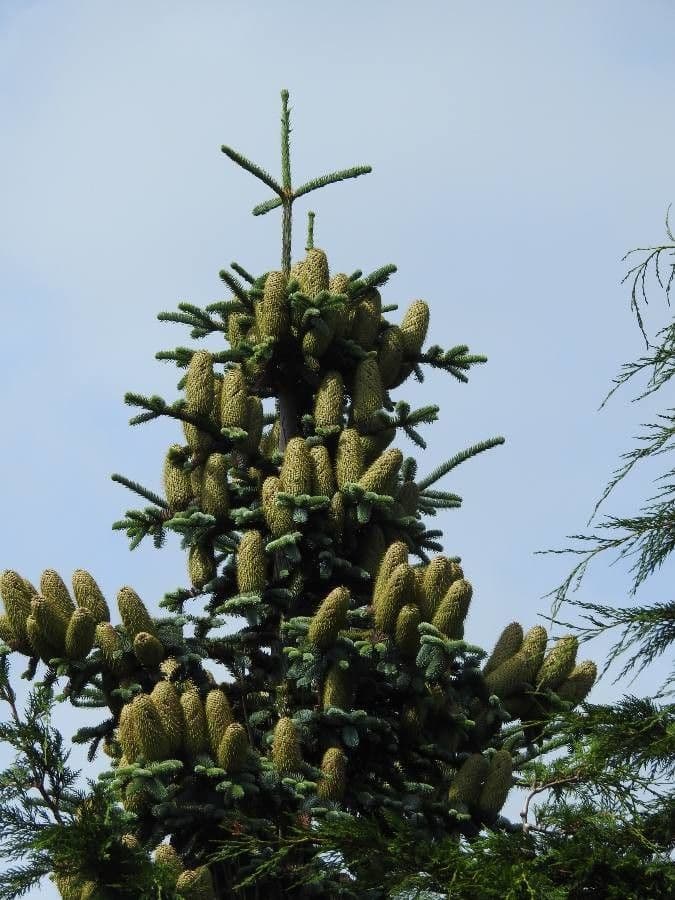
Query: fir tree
x,y
353,694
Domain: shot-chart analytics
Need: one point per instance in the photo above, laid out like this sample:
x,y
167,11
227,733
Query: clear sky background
x,y
518,150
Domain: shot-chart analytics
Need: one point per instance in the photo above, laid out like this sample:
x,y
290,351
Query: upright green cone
x,y
89,595
497,785
330,617
286,748
233,748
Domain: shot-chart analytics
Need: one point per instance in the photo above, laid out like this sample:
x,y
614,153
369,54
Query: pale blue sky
x,y
518,150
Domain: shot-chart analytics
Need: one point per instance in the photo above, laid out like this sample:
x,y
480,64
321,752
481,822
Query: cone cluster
x,y
311,578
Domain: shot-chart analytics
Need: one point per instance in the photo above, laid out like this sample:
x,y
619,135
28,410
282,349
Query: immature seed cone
x,y
134,613
254,424
70,887
130,841
108,641
367,320
196,884
218,717
237,326
51,624
395,555
558,664
342,321
136,799
578,685
170,667
80,634
508,644
329,618
148,649
54,590
127,736
166,856
313,276
380,477
199,398
450,615
251,563
196,736
6,631
89,595
233,748
177,484
199,383
406,635
349,463
196,481
16,598
37,640
166,699
368,393
397,592
457,571
336,517
214,495
201,564
390,355
509,678
334,769
418,592
323,479
414,327
279,518
286,754
272,312
329,400
373,547
497,786
375,444
315,342
145,730
468,781
438,576
233,400
533,649
296,469
337,689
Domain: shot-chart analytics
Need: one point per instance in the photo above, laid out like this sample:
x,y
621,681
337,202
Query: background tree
x,y
350,694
